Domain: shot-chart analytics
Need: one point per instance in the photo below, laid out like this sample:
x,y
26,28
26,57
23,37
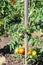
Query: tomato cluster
x,y
21,50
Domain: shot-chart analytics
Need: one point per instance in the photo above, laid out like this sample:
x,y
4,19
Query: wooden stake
x,y
26,22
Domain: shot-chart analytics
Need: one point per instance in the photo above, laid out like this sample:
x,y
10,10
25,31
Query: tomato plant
x,y
12,23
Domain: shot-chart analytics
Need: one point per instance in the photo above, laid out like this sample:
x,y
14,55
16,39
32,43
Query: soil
x,y
12,60
4,41
4,51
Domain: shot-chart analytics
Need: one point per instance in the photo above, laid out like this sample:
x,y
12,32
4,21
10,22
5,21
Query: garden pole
x,y
26,22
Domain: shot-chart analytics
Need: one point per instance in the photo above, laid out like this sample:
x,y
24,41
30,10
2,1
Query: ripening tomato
x,y
21,51
23,47
29,52
12,1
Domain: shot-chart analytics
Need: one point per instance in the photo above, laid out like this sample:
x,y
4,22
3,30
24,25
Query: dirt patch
x,y
13,61
4,41
2,60
4,50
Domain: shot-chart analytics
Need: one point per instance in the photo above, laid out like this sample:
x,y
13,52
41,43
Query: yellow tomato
x,y
16,50
34,53
29,52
